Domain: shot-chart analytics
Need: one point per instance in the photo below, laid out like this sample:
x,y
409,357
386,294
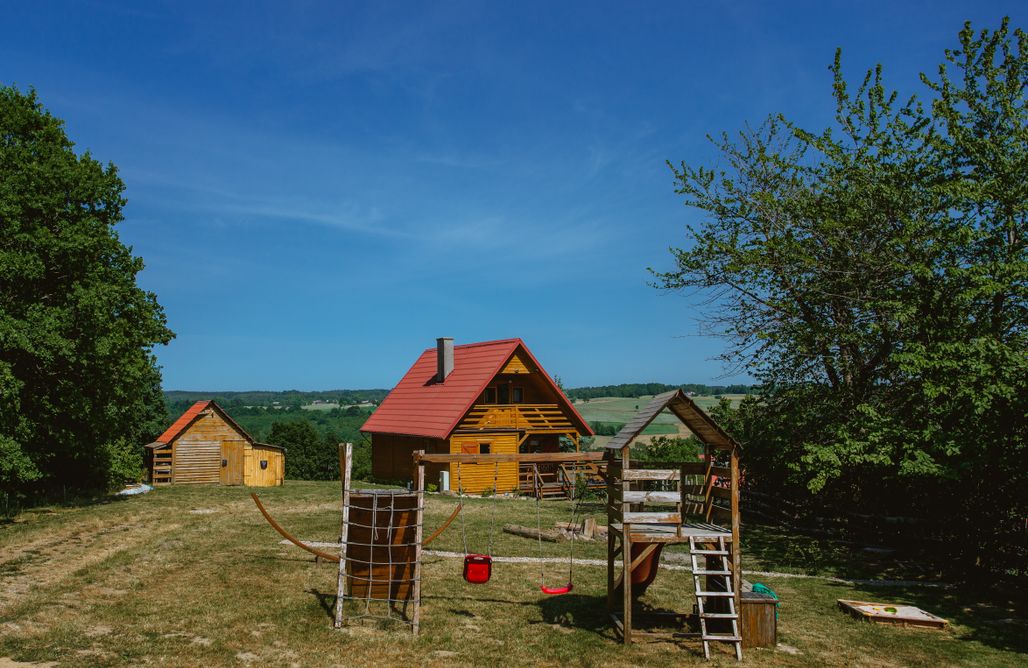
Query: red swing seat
x,y
478,568
553,591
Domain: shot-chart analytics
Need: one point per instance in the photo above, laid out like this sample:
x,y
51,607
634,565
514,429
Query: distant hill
x,y
302,398
273,398
633,390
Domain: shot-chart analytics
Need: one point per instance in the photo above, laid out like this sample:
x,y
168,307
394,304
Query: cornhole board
x,y
890,613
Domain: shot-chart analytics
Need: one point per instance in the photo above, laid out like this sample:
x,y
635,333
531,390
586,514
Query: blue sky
x,y
320,189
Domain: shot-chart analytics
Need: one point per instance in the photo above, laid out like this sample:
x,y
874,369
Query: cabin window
x,y
489,396
483,448
518,395
264,464
224,463
503,394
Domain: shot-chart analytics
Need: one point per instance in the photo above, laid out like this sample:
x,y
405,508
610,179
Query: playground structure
x,y
692,496
381,541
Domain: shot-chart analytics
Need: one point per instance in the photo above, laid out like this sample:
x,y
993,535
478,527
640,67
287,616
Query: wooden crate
x,y
757,620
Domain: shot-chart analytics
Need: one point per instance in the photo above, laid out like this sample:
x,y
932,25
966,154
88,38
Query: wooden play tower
x,y
693,503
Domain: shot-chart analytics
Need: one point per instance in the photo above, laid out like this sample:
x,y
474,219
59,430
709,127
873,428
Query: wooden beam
x,y
649,474
501,458
529,532
647,551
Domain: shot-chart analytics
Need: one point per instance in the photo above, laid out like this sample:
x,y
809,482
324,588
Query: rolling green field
x,y
622,409
192,575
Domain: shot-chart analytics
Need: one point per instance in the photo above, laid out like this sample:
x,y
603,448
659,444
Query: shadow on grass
x,y
993,618
776,549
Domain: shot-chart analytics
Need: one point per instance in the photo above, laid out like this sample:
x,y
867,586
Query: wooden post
x,y
736,549
419,516
611,491
626,555
708,503
345,466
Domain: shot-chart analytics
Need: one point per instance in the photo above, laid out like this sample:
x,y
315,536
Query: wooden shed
x,y
205,445
474,399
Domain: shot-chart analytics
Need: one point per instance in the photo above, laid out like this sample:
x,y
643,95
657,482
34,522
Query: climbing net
x,y
380,557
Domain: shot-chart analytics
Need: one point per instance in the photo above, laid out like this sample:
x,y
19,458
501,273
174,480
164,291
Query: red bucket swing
x,y
478,568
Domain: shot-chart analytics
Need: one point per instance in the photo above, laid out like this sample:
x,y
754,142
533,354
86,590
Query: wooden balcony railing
x,y
534,417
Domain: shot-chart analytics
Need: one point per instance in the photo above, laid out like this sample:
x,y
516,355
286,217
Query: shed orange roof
x,y
193,412
420,406
183,421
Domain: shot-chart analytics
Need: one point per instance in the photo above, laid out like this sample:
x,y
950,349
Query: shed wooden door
x,y
231,463
197,461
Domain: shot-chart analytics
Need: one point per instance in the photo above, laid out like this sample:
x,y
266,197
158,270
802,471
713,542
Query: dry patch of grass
x,y
148,581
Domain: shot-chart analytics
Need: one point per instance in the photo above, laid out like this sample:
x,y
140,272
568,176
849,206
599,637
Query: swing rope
x,y
477,567
539,532
460,501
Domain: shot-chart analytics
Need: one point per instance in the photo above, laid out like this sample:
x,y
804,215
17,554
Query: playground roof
x,y
691,415
419,405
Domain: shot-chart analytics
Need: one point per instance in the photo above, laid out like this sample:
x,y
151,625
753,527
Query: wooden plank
x,y
650,474
652,518
650,497
533,457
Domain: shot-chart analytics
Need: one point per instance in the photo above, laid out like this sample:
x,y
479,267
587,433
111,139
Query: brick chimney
x,y
444,358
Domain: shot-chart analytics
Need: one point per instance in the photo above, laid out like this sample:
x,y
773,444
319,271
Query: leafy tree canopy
x,y
872,276
79,384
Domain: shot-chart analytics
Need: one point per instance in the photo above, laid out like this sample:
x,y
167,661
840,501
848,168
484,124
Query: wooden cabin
x,y
205,445
478,398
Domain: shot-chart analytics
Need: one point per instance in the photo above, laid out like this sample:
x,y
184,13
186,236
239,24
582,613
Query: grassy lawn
x,y
193,575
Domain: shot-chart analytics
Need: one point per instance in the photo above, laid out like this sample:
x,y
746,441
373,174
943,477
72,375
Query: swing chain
x,y
460,501
492,525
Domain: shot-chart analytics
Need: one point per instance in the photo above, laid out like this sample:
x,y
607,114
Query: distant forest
x,y
270,398
178,400
634,390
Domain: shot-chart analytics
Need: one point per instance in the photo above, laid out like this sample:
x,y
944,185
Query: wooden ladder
x,y
729,594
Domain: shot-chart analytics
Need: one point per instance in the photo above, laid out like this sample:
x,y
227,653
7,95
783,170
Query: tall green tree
x,y
79,384
872,276
308,455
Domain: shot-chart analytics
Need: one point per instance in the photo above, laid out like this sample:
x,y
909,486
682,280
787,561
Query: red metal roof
x,y
419,406
191,414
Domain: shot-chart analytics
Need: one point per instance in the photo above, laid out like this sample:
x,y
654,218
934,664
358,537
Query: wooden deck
x,y
673,533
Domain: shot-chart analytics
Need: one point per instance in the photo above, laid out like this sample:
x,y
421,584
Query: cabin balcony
x,y
516,417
